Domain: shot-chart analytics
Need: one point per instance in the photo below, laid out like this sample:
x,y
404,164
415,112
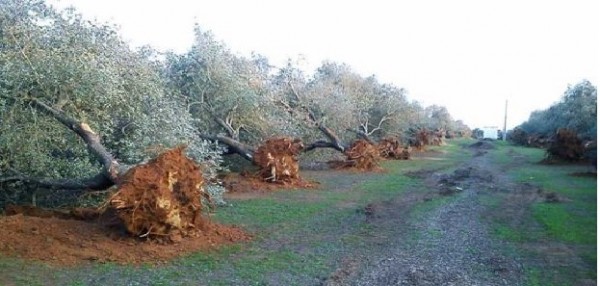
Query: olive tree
x,y
77,102
577,111
226,94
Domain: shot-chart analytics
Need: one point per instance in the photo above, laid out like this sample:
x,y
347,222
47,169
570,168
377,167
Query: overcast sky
x,y
469,56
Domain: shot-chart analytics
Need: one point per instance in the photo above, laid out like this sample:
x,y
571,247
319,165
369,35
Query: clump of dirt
x,y
391,148
277,159
72,242
461,178
482,144
162,197
245,183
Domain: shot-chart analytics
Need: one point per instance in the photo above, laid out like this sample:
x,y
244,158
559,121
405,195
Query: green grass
x,y
571,222
299,235
564,225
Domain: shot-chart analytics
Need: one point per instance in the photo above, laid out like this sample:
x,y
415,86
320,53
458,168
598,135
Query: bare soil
x,y
155,214
452,244
245,185
73,242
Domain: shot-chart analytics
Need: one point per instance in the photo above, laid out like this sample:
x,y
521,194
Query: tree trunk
x,y
334,141
363,135
111,171
247,152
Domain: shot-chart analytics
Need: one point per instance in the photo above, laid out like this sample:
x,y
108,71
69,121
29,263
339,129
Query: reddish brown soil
x,y
239,185
159,200
71,242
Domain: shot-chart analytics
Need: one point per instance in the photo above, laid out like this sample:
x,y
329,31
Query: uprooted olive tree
x,y
80,111
327,103
227,96
567,129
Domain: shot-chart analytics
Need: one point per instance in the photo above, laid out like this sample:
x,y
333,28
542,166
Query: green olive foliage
x,y
577,110
87,71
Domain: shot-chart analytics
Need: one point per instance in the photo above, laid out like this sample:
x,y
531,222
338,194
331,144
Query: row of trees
x,y
567,129
77,102
576,111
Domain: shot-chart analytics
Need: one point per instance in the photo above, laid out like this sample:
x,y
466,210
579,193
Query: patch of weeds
x,y
490,201
563,225
209,261
387,187
11,273
267,213
256,267
533,277
508,233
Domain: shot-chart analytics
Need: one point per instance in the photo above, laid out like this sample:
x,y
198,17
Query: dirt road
x,y
451,243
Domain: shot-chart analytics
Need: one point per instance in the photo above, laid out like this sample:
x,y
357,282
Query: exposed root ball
x,y
162,197
565,146
363,155
278,159
391,148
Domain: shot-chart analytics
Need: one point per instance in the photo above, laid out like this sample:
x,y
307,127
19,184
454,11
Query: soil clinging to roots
x,y
361,155
277,159
392,148
162,197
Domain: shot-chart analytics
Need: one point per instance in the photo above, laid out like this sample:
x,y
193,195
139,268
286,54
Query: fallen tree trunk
x,y
237,147
277,158
112,170
160,198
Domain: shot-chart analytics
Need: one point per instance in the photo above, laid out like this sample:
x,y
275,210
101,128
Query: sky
x,y
468,55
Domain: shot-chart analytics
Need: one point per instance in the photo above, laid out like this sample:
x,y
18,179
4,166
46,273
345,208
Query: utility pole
x,y
505,116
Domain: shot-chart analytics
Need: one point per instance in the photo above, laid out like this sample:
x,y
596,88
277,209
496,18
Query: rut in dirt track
x,y
453,245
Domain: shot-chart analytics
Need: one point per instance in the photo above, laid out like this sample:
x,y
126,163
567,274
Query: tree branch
x,y
333,138
320,144
237,147
97,182
362,135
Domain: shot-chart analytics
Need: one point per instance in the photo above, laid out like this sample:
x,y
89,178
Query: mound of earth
x,y
72,242
240,185
482,144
